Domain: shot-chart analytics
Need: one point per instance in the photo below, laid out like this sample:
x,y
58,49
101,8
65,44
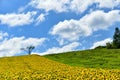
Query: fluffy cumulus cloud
x,y
82,5
3,35
101,43
66,48
107,3
78,6
12,46
101,20
74,29
70,29
48,5
14,19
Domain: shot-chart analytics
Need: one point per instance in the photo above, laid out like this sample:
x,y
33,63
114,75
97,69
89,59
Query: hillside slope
x,y
98,58
34,67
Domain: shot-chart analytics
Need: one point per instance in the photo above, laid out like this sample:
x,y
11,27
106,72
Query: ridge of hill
x,y
96,58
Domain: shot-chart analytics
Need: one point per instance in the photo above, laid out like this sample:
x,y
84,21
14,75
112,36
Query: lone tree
x,y
116,38
28,49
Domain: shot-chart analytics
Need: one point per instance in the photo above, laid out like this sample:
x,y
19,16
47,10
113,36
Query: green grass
x,y
98,58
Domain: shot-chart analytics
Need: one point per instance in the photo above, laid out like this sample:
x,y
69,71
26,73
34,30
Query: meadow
x,y
35,67
96,58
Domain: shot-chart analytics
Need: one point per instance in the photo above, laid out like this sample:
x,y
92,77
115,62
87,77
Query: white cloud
x,y
70,29
48,5
22,9
108,3
14,19
78,6
66,48
100,20
62,41
40,18
3,35
101,43
74,29
12,46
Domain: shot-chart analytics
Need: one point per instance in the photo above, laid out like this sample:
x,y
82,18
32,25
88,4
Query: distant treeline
x,y
115,44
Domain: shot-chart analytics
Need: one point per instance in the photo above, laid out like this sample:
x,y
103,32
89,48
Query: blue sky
x,y
56,26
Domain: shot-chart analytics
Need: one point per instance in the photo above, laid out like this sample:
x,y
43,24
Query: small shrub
x,y
100,47
109,45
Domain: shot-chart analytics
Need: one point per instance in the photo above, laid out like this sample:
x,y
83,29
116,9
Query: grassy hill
x,y
34,67
97,58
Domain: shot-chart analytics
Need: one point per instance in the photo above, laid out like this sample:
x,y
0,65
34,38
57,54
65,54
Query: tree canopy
x,y
116,38
28,49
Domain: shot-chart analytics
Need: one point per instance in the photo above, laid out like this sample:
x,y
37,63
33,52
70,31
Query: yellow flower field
x,y
35,67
